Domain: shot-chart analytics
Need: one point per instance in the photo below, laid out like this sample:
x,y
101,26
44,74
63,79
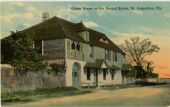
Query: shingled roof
x,y
55,28
79,27
97,64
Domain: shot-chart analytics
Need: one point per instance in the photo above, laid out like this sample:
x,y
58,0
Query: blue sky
x,y
117,25
20,15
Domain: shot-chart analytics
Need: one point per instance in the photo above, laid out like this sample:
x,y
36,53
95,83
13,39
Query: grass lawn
x,y
29,96
26,96
131,85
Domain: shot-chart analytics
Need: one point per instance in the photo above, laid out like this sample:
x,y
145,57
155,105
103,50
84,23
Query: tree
x,y
137,50
18,51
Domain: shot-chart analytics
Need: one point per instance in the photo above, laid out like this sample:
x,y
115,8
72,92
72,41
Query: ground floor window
x,y
112,74
88,74
104,73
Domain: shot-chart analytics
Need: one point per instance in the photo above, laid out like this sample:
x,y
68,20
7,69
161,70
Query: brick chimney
x,y
45,16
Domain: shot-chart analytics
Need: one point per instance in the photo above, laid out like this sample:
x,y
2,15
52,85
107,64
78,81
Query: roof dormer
x,y
104,40
81,29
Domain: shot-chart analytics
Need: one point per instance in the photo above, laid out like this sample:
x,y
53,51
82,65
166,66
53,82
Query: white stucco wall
x,y
69,67
117,78
99,53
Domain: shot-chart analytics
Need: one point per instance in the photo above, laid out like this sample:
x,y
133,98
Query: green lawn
x,y
26,96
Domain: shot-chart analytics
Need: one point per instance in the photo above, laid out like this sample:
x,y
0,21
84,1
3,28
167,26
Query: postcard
x,y
89,53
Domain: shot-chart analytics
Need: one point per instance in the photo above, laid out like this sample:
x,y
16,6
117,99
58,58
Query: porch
x,y
100,73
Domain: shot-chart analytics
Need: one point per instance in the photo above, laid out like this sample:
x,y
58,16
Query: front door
x,y
75,75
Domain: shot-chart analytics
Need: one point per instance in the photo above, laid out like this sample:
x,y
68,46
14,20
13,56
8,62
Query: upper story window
x,y
113,56
73,45
78,46
107,54
38,44
116,56
92,51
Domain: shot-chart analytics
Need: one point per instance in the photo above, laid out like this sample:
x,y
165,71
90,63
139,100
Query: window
x,y
112,75
104,40
104,73
92,51
38,44
88,73
78,46
113,56
107,54
116,57
73,45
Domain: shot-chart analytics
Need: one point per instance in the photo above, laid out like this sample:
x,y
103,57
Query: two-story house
x,y
88,57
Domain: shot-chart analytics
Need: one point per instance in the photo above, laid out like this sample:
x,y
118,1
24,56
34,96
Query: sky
x,y
118,25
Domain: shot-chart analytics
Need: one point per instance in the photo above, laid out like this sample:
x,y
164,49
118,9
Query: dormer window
x,y
104,40
82,31
87,36
84,35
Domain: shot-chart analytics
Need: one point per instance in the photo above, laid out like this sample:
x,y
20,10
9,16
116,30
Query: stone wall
x,y
11,82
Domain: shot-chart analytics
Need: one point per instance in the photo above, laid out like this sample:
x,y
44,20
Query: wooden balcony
x,y
77,55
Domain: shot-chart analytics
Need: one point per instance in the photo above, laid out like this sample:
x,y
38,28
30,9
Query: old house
x,y
87,57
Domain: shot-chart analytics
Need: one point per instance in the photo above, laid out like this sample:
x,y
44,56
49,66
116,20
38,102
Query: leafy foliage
x,y
137,50
18,50
25,96
57,68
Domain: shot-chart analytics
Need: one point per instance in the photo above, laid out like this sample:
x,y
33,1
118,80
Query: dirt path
x,y
145,96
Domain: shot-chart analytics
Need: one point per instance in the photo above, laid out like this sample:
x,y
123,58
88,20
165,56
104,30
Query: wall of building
x,y
117,78
54,49
69,67
83,75
99,53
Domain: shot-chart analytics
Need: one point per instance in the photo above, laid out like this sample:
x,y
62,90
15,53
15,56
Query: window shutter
x,y
68,45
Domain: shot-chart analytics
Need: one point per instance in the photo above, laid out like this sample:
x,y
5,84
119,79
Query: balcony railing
x,y
75,55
